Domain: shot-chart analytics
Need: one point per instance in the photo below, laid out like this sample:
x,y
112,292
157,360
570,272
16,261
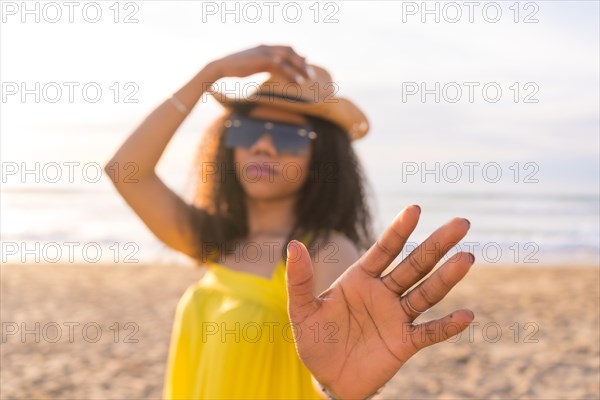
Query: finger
x,y
297,62
280,66
438,330
432,290
299,277
292,72
390,243
422,260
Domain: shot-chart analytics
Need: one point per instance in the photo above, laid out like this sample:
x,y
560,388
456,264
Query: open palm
x,y
357,334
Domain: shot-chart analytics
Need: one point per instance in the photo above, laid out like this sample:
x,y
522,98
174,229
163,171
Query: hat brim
x,y
338,110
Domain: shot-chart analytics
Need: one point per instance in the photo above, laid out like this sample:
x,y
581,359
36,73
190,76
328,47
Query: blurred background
x,y
525,172
488,111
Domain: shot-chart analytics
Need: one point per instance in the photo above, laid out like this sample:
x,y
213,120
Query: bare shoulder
x,y
332,259
339,249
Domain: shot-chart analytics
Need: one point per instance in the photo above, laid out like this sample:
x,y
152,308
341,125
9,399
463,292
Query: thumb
x,y
299,277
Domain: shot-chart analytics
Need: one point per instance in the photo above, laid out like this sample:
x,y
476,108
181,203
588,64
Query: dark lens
x,y
287,138
292,139
242,132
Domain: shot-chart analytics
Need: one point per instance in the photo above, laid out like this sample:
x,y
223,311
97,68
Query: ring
x,y
412,308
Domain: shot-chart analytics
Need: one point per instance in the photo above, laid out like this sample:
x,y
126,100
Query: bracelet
x,y
179,105
325,392
332,397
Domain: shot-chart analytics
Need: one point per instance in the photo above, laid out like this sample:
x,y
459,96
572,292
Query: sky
x,y
370,51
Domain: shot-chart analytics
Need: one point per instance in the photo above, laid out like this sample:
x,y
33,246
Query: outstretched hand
x,y
370,317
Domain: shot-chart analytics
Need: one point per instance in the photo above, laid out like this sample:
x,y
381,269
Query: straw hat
x,y
315,97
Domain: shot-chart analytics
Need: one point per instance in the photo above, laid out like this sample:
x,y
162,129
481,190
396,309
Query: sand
x,y
538,334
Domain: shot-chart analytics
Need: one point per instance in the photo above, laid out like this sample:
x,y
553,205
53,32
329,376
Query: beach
x,y
102,332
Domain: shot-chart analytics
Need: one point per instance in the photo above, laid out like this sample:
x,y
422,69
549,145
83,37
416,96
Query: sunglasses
x,y
287,138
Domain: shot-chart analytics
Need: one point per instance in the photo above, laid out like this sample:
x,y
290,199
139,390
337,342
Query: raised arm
x,y
132,168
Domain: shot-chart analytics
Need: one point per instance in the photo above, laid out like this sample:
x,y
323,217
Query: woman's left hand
x,y
358,333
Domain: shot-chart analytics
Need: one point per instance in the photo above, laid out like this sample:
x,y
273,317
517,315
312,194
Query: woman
x,y
279,166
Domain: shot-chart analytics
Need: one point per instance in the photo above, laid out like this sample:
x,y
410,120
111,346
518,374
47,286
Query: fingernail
x,y
311,71
418,207
472,258
300,79
289,246
468,222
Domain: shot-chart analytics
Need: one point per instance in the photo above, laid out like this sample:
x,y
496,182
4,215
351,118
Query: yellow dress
x,y
232,339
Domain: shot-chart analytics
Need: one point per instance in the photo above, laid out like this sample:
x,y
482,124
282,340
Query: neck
x,y
273,216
